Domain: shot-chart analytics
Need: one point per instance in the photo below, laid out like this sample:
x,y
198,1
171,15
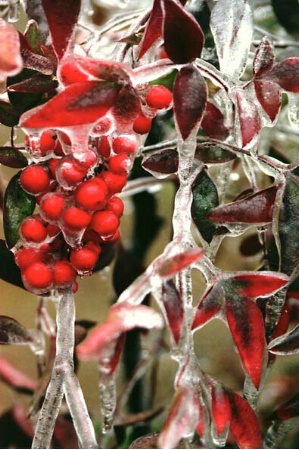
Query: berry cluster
x,y
79,210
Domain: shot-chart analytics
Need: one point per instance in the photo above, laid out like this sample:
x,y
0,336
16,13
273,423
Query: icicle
x,y
14,9
107,391
293,108
219,440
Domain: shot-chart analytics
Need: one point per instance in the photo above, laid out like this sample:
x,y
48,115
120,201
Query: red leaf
x,y
220,408
288,409
162,162
264,58
183,37
244,424
258,284
182,418
13,377
181,261
34,61
37,84
174,309
247,328
78,104
269,96
287,344
62,16
257,208
10,57
153,30
213,122
126,108
189,99
121,318
286,74
250,121
209,306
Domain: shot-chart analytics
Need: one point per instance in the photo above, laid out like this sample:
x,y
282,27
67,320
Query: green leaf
x,y
32,35
205,197
17,205
8,115
287,14
9,271
12,157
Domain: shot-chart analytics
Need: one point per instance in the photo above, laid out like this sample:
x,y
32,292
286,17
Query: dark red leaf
x,y
249,118
220,408
174,309
264,58
12,332
62,16
189,99
247,328
257,208
126,108
213,122
10,56
286,74
178,262
8,115
287,343
12,157
153,30
183,37
34,61
211,154
258,284
80,103
289,409
14,378
38,84
244,424
162,162
269,96
209,306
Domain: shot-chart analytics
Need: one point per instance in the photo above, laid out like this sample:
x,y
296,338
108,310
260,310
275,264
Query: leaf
x,y
244,424
12,157
249,118
12,332
288,409
174,309
211,154
231,25
8,116
213,122
9,271
189,99
183,37
285,73
164,161
32,35
10,56
209,306
147,441
180,261
257,284
287,14
220,409
263,58
17,205
182,418
37,84
269,96
287,344
80,103
205,197
122,317
126,108
14,378
34,61
153,30
62,16
257,208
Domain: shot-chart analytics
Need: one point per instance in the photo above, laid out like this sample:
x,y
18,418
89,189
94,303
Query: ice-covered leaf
x,y
205,197
62,16
257,208
17,205
126,108
244,424
232,27
256,284
174,264
35,61
12,157
9,271
246,324
14,378
164,161
286,74
209,306
172,302
10,56
288,409
269,96
183,37
213,122
220,409
80,103
287,343
121,318
37,84
263,58
153,30
249,118
12,332
211,154
32,35
182,418
189,99
8,115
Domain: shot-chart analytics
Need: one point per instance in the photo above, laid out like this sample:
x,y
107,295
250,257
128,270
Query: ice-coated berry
x,y
35,179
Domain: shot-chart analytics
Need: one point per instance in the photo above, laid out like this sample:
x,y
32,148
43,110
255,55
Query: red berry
x,y
105,223
84,259
111,239
69,172
75,218
116,205
124,144
120,164
28,255
53,230
158,97
52,165
88,159
104,147
63,273
142,124
38,276
59,149
32,229
51,206
91,194
103,126
47,142
114,182
35,179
